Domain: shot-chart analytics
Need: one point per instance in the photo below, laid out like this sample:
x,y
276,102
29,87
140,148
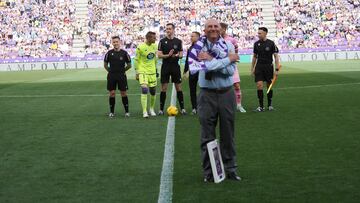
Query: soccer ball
x,y
172,111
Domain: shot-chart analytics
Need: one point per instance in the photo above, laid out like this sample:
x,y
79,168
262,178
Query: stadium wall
x,y
54,65
320,56
98,63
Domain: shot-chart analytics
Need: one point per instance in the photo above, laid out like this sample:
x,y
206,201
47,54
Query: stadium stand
x,y
132,19
316,24
34,28
63,28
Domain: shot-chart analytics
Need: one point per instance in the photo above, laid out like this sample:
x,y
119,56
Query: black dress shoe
x,y
208,179
233,176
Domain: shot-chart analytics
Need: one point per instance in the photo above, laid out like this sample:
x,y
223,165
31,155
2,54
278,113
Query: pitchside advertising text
x,y
19,65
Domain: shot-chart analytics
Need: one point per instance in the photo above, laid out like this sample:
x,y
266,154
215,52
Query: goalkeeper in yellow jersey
x,y
145,67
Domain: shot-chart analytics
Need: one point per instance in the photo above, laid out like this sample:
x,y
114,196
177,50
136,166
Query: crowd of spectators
x,y
314,24
36,28
131,19
47,28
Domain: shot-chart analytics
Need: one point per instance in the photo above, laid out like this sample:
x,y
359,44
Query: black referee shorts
x,y
117,80
264,72
173,71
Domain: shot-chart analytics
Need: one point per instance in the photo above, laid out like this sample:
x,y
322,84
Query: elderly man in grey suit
x,y
216,99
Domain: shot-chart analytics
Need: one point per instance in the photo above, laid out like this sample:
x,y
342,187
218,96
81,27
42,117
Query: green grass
x,y
65,149
306,151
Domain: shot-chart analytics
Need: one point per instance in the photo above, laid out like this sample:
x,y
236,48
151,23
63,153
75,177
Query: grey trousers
x,y
214,106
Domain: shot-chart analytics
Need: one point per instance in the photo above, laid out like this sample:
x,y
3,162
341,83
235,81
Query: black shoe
x,y
233,176
208,179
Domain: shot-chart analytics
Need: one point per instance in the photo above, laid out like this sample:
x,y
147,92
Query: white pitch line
x,y
53,95
166,180
315,86
104,95
60,95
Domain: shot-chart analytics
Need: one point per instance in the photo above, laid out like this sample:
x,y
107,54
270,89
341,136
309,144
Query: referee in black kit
x,y
262,67
114,63
170,50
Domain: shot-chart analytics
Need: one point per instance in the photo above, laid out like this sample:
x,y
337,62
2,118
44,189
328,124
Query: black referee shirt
x,y
264,51
117,60
166,44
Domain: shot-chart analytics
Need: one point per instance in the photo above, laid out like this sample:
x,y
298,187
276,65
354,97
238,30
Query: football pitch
x,y
58,145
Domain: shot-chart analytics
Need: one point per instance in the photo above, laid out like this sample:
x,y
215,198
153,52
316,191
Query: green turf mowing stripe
x,y
104,95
